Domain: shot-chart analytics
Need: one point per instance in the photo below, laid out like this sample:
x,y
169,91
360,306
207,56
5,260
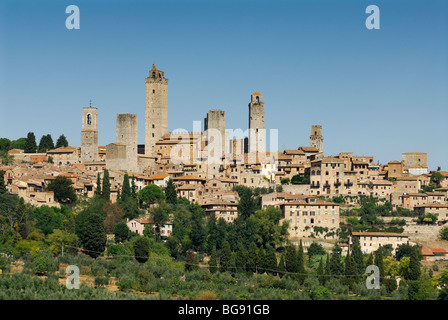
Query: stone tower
x,y
89,134
316,138
127,135
156,108
257,134
216,120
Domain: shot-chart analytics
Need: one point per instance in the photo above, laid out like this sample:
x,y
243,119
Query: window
x,y
153,91
89,119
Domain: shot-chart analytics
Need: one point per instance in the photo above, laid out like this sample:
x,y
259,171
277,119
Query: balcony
x,y
314,186
337,184
348,184
326,185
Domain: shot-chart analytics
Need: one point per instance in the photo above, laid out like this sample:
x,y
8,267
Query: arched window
x,y
257,98
89,119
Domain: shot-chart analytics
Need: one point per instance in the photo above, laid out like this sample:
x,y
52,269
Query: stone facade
x,y
257,133
156,109
127,135
316,138
89,135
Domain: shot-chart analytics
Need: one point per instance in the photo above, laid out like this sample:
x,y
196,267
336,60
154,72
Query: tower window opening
x,y
89,119
153,91
257,98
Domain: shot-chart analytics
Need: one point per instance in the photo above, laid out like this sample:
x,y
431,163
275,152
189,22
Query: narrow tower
x,y
127,135
316,138
257,134
89,134
156,108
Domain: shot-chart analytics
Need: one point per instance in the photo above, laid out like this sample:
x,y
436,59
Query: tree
x,y
252,258
299,179
281,265
315,249
350,270
94,240
212,263
301,263
414,266
133,188
443,232
225,261
45,143
379,262
105,193
2,182
320,271
159,216
5,144
121,232
190,261
197,225
126,189
271,260
336,265
63,189
61,142
141,249
241,257
62,239
170,192
150,194
30,144
112,215
98,186
7,158
291,262
247,204
357,256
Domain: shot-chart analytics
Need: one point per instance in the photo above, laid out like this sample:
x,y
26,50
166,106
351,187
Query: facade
x,y
316,138
371,241
138,226
127,136
257,133
156,108
89,135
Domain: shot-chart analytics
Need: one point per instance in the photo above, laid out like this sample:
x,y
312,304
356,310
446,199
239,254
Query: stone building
x,y
257,133
371,241
316,138
156,108
127,135
89,135
415,163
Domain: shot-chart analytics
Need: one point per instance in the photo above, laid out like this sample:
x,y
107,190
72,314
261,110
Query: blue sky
x,y
375,92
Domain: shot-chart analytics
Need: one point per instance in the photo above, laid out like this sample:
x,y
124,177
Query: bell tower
x,y
257,134
89,134
316,138
156,108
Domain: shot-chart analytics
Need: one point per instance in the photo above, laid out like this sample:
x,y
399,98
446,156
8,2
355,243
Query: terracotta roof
x,y
309,149
438,250
426,251
256,93
158,176
189,177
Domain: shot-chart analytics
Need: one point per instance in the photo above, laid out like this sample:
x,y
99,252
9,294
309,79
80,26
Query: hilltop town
x,y
320,196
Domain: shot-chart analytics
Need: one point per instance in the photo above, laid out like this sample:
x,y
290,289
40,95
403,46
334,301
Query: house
x,y
138,226
371,241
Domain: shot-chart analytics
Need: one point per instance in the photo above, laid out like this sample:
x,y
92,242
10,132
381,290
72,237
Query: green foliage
x,y
336,265
141,249
122,232
320,293
2,182
315,249
247,204
61,142
170,192
105,190
126,189
150,194
299,179
213,263
444,233
225,261
63,189
30,144
94,238
428,218
284,181
45,143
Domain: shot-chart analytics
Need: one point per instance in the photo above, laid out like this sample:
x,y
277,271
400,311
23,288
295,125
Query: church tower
x,y
316,138
156,108
89,134
257,134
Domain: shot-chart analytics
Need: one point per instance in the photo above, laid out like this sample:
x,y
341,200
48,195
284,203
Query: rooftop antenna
x,y
90,102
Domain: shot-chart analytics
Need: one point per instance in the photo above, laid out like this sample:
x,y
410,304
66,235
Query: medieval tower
x,y
127,135
257,134
156,108
89,134
316,138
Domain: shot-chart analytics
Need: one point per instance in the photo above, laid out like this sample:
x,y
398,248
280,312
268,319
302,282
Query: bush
x,y
320,293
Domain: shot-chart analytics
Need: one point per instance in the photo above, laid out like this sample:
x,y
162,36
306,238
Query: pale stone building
x,y
371,241
89,135
257,133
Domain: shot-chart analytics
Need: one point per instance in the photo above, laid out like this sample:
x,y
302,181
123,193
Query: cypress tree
x,y
252,258
30,143
327,269
241,257
281,266
62,141
46,143
357,257
133,188
320,271
414,265
94,235
225,261
336,265
106,186
370,260
212,263
2,182
350,270
379,263
262,265
271,260
291,262
170,192
301,263
98,186
126,189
